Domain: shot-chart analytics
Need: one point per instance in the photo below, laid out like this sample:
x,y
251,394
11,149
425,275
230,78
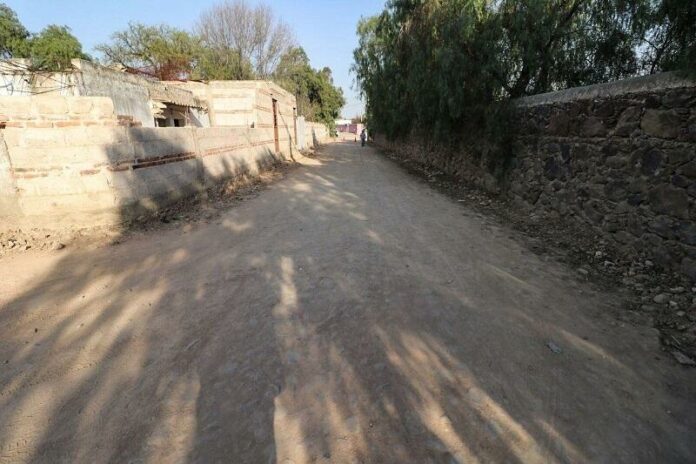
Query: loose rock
x,y
683,359
553,347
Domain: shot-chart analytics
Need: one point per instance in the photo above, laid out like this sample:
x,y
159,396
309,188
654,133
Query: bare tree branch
x,y
253,33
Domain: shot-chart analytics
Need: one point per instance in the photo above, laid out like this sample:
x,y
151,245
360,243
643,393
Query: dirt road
x,y
348,313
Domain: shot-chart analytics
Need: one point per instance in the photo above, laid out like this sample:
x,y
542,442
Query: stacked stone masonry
x,y
620,158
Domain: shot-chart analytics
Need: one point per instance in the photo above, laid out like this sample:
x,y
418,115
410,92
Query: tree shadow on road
x,y
328,320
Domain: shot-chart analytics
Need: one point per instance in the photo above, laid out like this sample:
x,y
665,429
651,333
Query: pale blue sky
x,y
325,28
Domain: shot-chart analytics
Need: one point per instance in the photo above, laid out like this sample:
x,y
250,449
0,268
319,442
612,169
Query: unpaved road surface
x,y
348,313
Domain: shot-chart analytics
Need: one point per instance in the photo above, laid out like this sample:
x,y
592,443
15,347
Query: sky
x,y
325,28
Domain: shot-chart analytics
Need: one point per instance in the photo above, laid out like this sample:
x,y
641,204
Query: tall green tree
x,y
450,66
428,65
318,99
672,40
13,35
295,75
566,43
53,48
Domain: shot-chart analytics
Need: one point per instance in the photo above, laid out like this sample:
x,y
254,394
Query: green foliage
x,y
428,67
317,98
673,41
169,53
160,51
448,67
561,43
53,48
295,75
50,50
13,35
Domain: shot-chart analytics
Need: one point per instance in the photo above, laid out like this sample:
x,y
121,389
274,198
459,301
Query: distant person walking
x,y
363,137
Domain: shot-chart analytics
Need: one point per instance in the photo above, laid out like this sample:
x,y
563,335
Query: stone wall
x,y
619,158
82,177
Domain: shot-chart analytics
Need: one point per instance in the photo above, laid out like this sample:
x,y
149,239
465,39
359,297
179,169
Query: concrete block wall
x,y
58,111
316,133
619,158
248,104
87,176
18,80
244,103
69,161
232,103
129,93
265,94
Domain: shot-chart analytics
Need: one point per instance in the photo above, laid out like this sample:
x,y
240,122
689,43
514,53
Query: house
x,y
148,102
95,146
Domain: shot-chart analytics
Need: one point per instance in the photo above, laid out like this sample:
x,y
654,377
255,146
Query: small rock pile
x,y
15,241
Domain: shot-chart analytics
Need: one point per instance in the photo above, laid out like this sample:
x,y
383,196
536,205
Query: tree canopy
x,y
162,51
672,40
51,49
317,98
444,65
13,35
54,47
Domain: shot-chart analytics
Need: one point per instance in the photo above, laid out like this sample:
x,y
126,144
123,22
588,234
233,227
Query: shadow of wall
x,y
108,176
84,177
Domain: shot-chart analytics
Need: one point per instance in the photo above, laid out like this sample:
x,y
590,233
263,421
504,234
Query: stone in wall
x,y
664,124
47,111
